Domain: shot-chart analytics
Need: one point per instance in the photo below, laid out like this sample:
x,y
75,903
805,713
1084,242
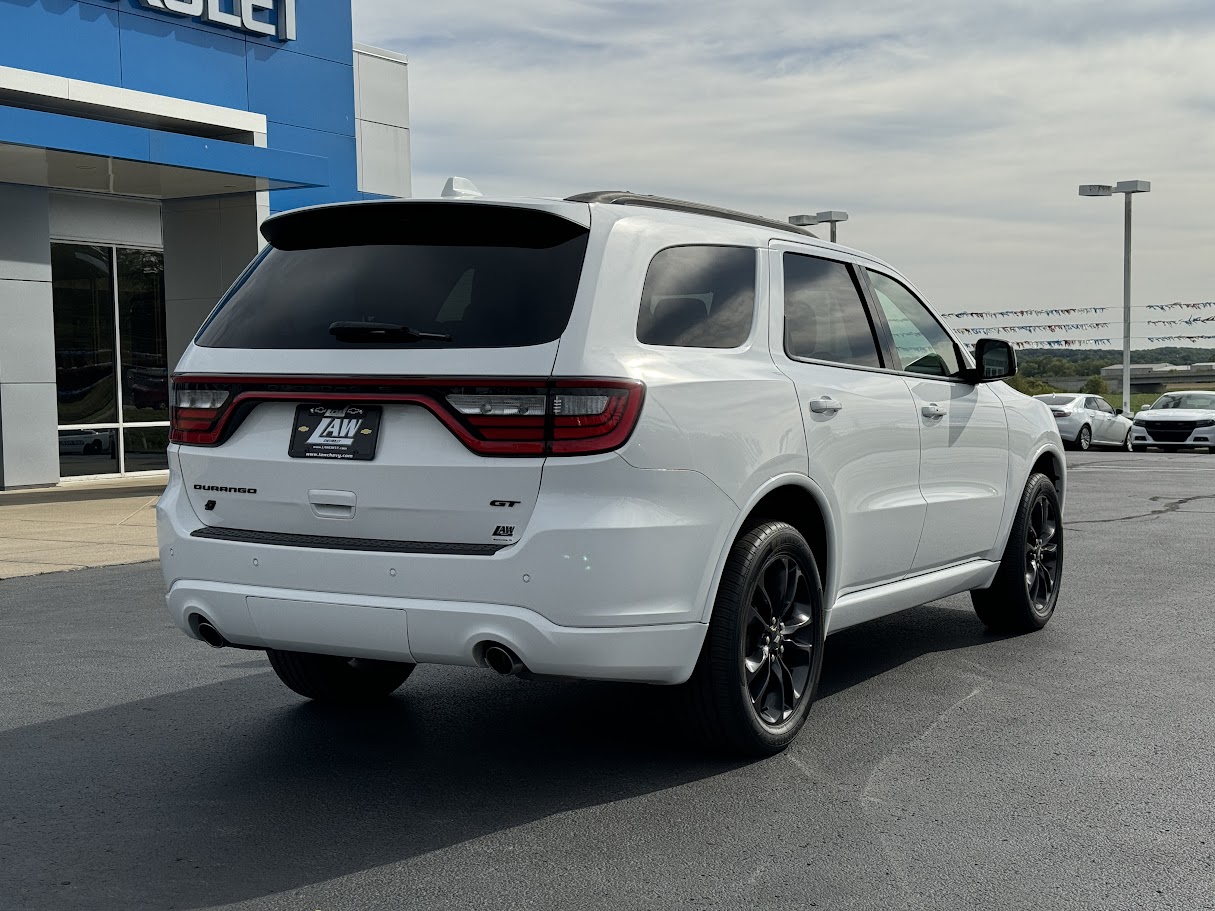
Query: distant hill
x,y
1089,361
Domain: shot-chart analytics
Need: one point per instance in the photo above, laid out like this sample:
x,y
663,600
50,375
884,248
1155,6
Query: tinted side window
x,y
698,297
825,318
923,346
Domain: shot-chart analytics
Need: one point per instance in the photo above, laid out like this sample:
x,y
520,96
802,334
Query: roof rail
x,y
627,198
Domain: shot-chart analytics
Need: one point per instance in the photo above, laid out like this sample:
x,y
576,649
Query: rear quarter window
x,y
484,276
698,297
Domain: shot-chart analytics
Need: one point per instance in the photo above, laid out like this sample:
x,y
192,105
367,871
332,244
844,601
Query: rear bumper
x,y
1070,427
435,632
607,545
610,580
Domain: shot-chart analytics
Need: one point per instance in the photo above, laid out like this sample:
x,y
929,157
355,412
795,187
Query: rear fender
x,y
827,505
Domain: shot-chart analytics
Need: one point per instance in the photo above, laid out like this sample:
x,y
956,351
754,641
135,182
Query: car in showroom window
x,y
614,437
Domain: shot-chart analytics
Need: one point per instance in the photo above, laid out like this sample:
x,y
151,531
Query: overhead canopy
x,y
58,151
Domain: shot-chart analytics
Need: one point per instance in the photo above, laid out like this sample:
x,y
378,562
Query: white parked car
x,y
1085,421
613,437
84,442
1177,420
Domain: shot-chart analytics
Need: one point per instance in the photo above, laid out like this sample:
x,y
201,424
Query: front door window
x,y
923,346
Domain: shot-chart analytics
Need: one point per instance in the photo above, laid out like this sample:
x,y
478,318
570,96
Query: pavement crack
x,y
1171,504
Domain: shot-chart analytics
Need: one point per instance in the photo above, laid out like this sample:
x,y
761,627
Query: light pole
x,y
1128,188
832,218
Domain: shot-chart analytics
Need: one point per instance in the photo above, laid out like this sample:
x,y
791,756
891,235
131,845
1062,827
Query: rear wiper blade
x,y
359,331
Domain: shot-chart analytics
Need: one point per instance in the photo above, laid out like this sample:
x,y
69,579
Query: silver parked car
x,y
1177,420
1088,420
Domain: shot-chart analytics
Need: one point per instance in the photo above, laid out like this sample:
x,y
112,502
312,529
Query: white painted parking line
x,y
1082,468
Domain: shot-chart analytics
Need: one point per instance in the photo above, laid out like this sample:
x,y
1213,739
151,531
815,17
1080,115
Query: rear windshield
x,y
1056,399
456,275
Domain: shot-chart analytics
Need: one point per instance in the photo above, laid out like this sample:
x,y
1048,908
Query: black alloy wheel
x,y
779,640
759,668
1025,590
1042,554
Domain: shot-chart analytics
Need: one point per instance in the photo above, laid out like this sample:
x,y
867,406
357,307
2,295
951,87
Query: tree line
x,y
1035,362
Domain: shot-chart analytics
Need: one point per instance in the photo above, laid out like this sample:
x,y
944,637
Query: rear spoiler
x,y
426,222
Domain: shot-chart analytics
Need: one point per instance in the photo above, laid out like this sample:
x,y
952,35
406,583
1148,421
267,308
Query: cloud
x,y
954,132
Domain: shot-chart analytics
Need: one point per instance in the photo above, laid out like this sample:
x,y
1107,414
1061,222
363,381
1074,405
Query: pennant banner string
x,y
1006,314
1073,311
1192,321
1102,342
1201,305
1058,327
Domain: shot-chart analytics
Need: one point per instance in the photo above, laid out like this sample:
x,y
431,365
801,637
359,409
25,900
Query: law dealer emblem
x,y
347,432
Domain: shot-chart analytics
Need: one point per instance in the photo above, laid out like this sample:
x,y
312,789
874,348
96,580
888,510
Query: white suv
x,y
614,436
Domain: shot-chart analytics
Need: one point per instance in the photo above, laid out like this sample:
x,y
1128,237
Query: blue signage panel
x,y
290,60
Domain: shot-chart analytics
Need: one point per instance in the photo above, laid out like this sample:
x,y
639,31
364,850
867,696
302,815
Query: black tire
x,y
1127,445
1084,439
758,710
327,678
1023,596
93,447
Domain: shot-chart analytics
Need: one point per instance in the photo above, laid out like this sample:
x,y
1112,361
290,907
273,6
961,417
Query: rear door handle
x,y
825,405
933,411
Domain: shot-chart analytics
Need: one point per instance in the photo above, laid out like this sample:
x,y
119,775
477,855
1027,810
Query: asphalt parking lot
x,y
942,768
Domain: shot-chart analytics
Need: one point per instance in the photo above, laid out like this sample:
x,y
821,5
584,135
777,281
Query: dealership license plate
x,y
335,432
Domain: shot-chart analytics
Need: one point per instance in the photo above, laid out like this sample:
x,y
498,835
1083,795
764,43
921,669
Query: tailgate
x,y
383,372
422,485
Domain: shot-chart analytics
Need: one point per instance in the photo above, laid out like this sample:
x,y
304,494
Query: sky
x,y
954,132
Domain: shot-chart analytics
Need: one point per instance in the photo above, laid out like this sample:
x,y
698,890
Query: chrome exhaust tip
x,y
503,660
210,635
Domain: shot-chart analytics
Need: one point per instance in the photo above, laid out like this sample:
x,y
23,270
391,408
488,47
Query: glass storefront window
x,y
82,282
141,329
110,348
85,452
146,448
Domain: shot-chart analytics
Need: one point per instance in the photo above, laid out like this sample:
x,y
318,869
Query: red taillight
x,y
198,413
490,417
589,418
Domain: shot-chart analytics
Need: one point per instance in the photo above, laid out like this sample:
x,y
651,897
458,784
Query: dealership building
x,y
142,142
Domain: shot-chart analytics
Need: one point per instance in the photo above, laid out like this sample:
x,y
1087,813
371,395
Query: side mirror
x,y
995,360
1117,411
1146,407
